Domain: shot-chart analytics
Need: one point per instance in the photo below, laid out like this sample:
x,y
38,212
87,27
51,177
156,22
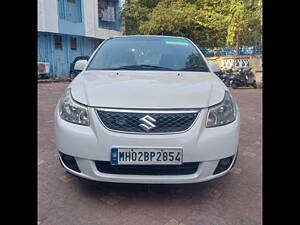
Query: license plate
x,y
145,156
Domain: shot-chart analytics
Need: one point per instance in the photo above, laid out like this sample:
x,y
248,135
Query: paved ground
x,y
235,199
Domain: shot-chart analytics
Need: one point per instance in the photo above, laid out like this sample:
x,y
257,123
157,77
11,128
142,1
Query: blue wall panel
x,y
87,46
70,10
61,9
67,27
70,17
73,11
45,50
60,59
72,52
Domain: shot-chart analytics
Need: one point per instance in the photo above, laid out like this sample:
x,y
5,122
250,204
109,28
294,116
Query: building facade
x,y
71,28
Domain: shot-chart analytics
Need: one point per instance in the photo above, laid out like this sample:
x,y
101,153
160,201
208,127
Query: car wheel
x,y
233,85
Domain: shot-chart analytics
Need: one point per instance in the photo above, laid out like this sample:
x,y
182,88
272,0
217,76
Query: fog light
x,y
68,159
223,164
70,162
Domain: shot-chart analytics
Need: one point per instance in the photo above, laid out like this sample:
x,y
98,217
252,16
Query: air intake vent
x,y
184,169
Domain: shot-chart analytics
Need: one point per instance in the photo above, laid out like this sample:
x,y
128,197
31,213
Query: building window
x,y
107,14
61,9
73,43
57,42
106,10
70,10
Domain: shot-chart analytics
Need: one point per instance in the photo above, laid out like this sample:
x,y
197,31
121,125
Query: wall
x,y
253,61
91,23
47,16
52,20
71,17
257,64
231,51
48,20
60,60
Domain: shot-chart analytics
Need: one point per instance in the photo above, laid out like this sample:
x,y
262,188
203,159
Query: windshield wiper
x,y
195,68
138,67
154,67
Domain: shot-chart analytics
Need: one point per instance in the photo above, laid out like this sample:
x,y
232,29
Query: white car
x,y
147,109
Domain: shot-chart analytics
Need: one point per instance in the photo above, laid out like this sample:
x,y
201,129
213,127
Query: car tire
x,y
233,85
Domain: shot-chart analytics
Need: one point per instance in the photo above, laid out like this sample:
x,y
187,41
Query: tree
x,y
135,12
245,18
172,18
241,19
209,23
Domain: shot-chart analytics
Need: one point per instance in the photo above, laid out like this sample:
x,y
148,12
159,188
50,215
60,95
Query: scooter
x,y
244,78
226,77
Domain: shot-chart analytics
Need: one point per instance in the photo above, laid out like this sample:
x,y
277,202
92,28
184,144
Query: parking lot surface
x,y
234,199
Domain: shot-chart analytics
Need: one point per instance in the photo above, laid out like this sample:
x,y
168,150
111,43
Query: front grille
x,y
160,121
183,169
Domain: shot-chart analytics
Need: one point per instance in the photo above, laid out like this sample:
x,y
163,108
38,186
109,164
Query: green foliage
x,y
207,22
135,12
149,3
170,17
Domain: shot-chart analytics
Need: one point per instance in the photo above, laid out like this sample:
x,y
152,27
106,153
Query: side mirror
x,y
80,64
214,66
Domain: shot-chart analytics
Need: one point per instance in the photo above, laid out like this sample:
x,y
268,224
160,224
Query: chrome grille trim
x,y
144,112
150,111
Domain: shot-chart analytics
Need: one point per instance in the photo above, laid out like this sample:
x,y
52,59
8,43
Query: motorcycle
x,y
243,78
226,77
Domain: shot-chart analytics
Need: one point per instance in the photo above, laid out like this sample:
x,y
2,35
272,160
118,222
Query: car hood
x,y
147,89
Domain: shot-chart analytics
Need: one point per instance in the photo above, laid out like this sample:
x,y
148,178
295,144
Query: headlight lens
x,y
223,113
71,111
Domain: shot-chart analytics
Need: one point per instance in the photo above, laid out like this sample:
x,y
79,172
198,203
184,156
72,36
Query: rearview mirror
x,y
214,66
80,64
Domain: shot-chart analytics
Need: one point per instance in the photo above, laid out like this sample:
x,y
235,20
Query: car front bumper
x,y
88,144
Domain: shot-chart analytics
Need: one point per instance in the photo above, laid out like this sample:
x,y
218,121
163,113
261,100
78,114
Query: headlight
x,y
223,113
71,111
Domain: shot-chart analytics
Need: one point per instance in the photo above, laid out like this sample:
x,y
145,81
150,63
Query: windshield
x,y
148,53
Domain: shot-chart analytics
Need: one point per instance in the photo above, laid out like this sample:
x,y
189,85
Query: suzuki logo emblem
x,y
147,123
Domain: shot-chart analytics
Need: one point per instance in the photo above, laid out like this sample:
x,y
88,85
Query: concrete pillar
x,y
256,64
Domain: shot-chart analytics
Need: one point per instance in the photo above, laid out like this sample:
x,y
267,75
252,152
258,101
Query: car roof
x,y
148,36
